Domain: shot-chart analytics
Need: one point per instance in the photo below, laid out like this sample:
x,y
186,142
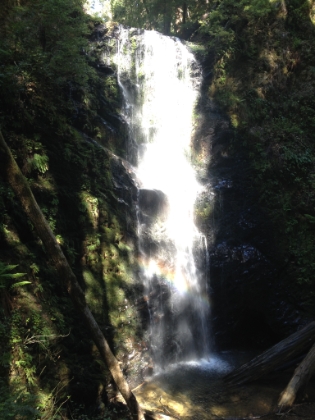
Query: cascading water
x,y
160,79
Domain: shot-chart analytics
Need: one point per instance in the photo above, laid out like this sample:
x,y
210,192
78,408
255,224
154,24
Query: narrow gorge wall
x,y
250,304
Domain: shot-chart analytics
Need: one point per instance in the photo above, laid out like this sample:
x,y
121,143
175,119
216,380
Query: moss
x,y
203,212
71,177
263,79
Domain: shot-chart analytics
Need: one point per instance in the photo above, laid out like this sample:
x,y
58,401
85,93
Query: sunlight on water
x,y
214,364
169,100
155,73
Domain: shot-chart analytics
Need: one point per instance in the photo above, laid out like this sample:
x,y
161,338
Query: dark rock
x,y
98,33
250,308
152,202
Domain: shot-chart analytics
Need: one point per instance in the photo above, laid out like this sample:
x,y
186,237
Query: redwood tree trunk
x,y
299,380
276,356
18,183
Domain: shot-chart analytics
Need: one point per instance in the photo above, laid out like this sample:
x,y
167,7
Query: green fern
x,y
6,276
39,163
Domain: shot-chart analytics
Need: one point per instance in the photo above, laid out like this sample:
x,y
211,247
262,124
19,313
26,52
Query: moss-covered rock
x,y
86,192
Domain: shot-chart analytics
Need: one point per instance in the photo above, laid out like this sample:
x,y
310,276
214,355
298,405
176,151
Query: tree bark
x,y
283,9
148,13
184,13
19,185
167,18
276,356
299,381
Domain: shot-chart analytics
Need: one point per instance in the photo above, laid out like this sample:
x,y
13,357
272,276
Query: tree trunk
x,y
167,18
24,194
283,9
299,380
276,356
184,13
148,14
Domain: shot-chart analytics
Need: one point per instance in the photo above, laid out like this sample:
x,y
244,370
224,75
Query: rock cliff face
x,y
160,79
250,307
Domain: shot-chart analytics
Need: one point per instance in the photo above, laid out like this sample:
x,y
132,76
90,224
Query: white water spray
x,y
155,73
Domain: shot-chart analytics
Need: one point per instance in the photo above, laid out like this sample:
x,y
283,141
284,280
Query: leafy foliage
x,y
263,79
168,17
6,276
53,108
43,55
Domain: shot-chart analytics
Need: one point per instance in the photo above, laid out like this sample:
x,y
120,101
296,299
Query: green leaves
x,y
310,218
19,284
172,16
6,276
43,56
39,163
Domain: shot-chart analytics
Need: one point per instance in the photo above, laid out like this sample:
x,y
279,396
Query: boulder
x,y
152,203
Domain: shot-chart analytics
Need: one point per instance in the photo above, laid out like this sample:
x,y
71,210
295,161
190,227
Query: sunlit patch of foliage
x,y
263,78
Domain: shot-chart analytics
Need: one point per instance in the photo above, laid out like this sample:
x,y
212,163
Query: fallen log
x,y
298,383
10,170
274,357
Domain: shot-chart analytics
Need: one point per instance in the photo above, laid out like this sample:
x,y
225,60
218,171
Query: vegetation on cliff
x,y
58,113
263,77
261,70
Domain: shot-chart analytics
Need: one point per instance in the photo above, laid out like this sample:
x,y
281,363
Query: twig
x,y
38,338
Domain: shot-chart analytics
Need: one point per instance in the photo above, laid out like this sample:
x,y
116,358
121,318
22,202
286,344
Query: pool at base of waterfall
x,y
195,390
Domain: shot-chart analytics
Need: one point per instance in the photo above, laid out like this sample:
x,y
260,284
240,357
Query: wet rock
x,y
98,33
124,179
224,183
152,202
245,307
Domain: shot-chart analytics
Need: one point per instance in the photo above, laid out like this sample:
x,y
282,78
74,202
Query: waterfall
x,y
160,81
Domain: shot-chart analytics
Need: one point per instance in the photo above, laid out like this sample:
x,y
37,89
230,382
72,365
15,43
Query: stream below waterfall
x,y
195,391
